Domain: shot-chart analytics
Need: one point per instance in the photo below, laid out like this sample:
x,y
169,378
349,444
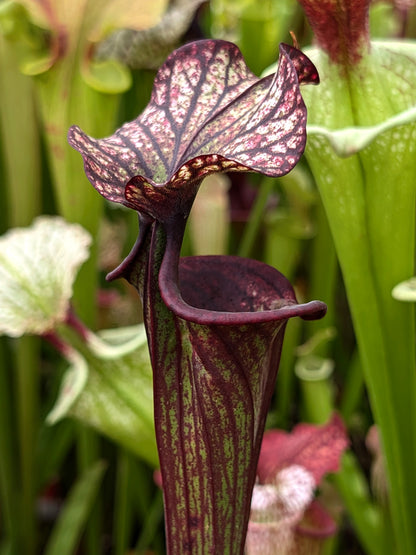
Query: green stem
x,y
353,388
122,505
88,454
142,488
27,377
256,217
372,531
323,273
285,383
21,149
23,192
8,475
65,99
281,250
317,391
151,524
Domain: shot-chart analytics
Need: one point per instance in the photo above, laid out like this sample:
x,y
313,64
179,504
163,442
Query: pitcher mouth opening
x,y
232,284
220,289
232,290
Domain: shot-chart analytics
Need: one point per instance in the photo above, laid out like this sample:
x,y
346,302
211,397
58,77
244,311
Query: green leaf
x,y
109,387
72,385
107,76
69,527
38,265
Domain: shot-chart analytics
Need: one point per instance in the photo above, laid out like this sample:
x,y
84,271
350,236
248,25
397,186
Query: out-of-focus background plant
x,y
77,454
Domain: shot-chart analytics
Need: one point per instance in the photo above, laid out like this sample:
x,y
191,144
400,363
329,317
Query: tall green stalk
x,y
372,530
23,193
256,216
65,98
369,198
20,150
27,388
8,471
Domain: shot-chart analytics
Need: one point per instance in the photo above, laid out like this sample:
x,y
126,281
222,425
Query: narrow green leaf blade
x,y
68,529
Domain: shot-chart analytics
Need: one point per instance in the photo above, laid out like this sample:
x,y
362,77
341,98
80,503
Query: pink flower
x,y
285,518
